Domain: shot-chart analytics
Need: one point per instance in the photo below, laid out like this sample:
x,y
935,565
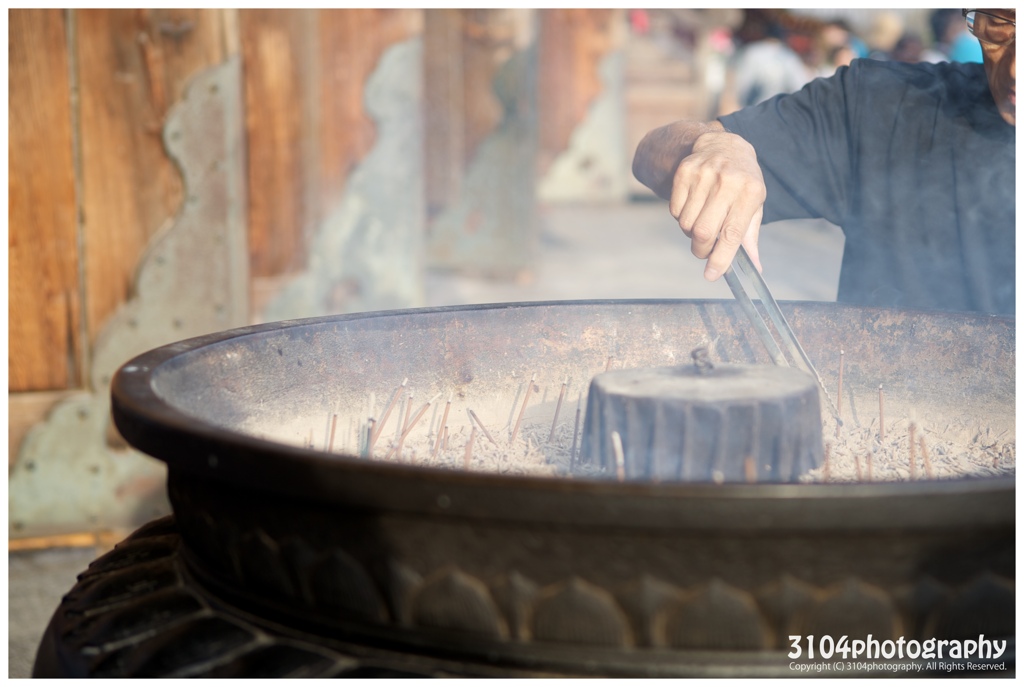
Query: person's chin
x,y
1009,115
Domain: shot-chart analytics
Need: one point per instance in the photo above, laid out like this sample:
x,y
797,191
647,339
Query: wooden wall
x,y
88,178
46,311
90,182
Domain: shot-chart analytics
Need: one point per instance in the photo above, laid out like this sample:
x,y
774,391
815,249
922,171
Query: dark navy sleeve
x,y
914,163
803,143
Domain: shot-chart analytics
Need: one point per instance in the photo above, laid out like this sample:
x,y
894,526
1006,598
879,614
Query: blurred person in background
x,y
886,30
909,48
836,45
944,24
915,162
953,42
840,45
763,66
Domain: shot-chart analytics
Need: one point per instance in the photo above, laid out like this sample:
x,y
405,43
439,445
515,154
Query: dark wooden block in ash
x,y
700,423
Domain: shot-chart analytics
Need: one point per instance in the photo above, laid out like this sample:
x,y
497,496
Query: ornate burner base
x,y
139,612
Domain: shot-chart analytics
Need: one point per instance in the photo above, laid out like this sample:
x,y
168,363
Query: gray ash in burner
x,y
701,423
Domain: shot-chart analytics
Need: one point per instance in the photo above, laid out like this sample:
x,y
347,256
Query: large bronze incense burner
x,y
417,543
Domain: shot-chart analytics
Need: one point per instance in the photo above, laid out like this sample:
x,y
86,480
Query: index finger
x,y
743,217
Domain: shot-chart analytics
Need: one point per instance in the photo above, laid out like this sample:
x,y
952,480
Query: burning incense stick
x,y
330,442
387,412
522,410
474,418
410,425
468,458
575,433
913,462
839,396
924,457
558,409
620,459
881,415
444,424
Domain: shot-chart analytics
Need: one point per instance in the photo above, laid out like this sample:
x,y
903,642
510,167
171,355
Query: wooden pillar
x,y
45,309
90,182
481,139
582,152
308,131
277,58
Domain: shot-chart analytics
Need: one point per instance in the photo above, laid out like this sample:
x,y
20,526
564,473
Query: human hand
x,y
718,195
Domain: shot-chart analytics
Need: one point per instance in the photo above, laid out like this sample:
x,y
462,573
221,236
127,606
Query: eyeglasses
x,y
989,28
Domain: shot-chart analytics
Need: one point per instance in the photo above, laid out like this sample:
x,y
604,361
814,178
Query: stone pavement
x,y
36,581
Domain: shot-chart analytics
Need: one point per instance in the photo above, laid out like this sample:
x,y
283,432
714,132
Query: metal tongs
x,y
746,266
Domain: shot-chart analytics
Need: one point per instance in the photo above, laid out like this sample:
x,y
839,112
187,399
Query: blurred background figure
x,y
835,45
953,42
764,64
885,32
909,48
